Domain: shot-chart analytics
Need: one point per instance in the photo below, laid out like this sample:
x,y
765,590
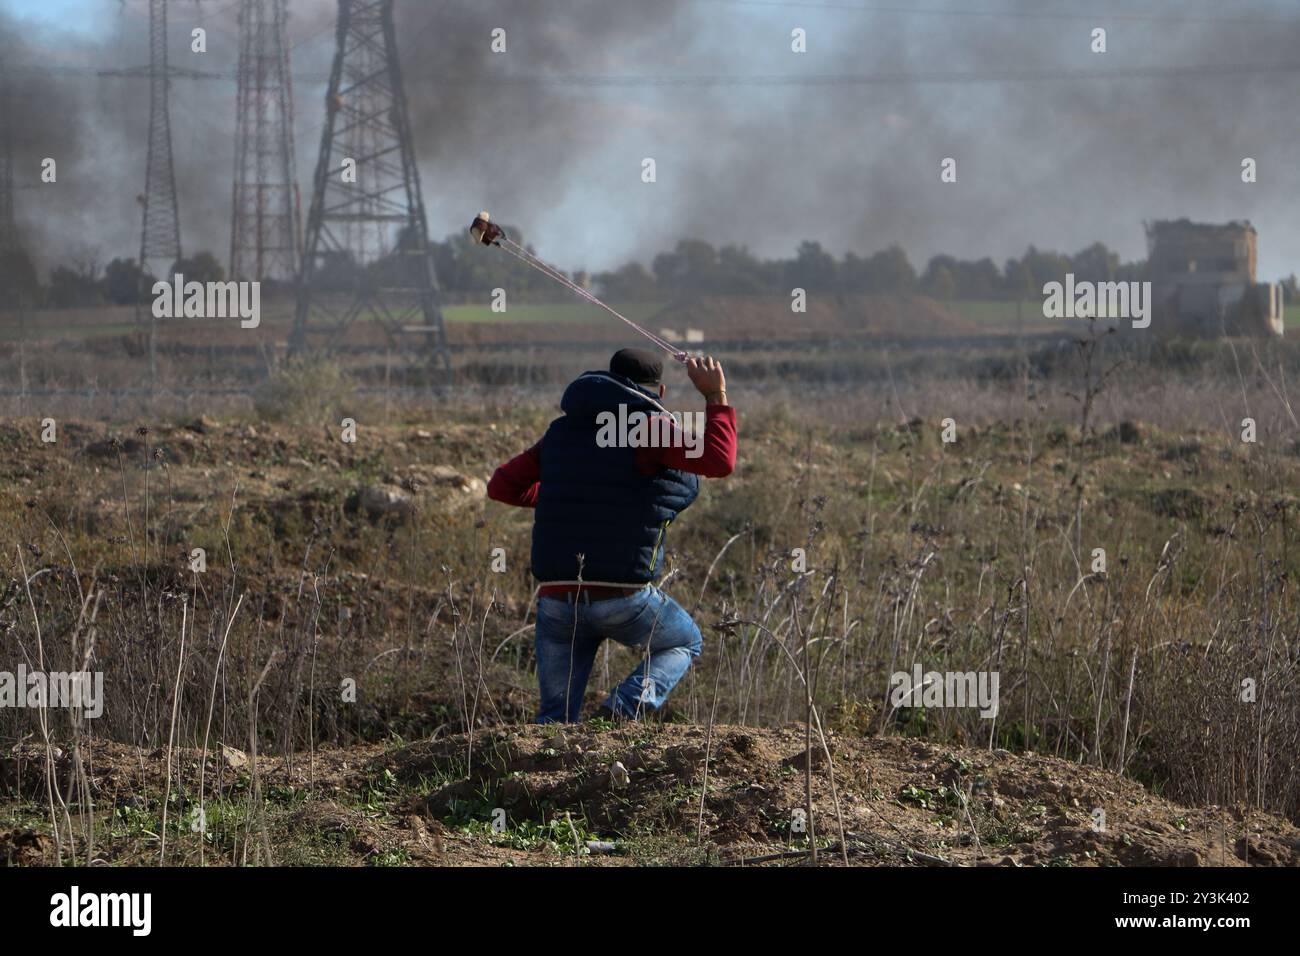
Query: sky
x,y
1056,145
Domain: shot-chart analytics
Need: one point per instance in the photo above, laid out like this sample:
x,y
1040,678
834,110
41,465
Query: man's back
x,y
606,480
596,501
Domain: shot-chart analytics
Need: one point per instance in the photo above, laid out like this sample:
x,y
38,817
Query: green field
x,y
575,311
91,322
84,323
997,312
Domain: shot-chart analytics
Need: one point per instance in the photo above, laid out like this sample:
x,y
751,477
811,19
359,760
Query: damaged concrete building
x,y
1203,280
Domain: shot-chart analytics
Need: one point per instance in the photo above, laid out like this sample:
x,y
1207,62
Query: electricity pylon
x,y
160,234
366,253
8,226
266,223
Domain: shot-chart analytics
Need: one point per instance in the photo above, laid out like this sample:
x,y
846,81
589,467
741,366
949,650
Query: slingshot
x,y
488,233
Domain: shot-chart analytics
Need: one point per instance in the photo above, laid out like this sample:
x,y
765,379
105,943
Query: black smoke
x,y
841,144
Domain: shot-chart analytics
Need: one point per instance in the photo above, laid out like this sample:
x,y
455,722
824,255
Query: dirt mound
x,y
899,801
630,794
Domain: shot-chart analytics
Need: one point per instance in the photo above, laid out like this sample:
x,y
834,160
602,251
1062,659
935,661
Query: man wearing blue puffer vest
x,y
606,480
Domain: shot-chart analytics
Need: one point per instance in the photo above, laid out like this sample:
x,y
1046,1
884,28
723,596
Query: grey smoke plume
x,y
1060,160
44,114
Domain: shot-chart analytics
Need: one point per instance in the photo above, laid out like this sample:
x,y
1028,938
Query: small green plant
x,y
378,790
940,798
470,813
134,821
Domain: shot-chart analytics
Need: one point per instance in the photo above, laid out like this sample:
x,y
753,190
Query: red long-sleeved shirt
x,y
518,480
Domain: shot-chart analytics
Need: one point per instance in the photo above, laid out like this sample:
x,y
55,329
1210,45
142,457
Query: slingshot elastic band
x,y
490,234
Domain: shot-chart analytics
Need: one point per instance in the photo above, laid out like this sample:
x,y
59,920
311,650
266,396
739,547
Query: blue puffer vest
x,y
593,501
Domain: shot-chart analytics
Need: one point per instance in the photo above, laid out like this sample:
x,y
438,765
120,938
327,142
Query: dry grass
x,y
972,556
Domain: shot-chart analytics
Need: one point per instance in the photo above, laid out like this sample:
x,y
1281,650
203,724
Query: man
x,y
602,510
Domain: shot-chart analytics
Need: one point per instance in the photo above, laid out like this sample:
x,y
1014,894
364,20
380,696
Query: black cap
x,y
639,365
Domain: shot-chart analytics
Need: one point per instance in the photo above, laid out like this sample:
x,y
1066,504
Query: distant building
x,y
1203,279
692,336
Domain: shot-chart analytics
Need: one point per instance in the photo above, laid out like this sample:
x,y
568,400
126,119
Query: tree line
x,y
694,267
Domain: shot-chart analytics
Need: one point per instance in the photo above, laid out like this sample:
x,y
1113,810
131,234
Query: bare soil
x,y
900,802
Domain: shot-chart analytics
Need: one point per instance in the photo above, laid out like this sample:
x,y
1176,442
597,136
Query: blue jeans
x,y
569,632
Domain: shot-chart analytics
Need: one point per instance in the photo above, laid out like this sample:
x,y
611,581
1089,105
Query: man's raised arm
x,y
518,480
717,457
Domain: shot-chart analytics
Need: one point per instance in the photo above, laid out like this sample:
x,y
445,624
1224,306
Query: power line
x,y
868,79
1097,17
1195,71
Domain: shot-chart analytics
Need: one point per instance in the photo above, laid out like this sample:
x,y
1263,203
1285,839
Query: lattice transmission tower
x,y
11,295
266,223
8,225
160,232
160,235
366,252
